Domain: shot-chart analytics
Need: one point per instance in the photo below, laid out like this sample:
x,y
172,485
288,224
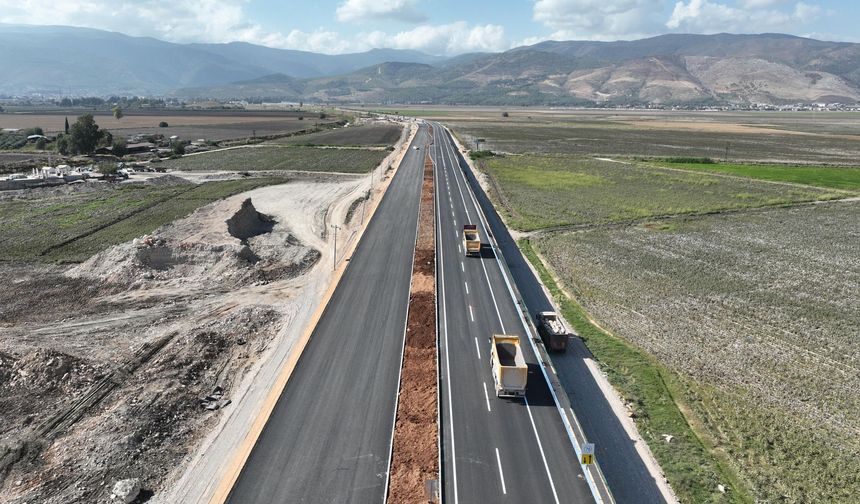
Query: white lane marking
x,y
447,360
467,286
477,349
487,397
462,267
459,248
540,447
471,313
502,474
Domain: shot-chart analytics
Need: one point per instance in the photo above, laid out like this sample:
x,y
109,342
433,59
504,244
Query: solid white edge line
x,y
501,473
441,274
576,448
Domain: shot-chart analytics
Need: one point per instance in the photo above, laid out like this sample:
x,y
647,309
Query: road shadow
x,y
625,472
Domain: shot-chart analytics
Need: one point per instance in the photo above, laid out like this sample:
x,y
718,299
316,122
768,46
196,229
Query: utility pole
x,y
334,256
364,205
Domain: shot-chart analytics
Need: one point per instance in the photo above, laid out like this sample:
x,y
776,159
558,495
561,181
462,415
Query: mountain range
x,y
667,69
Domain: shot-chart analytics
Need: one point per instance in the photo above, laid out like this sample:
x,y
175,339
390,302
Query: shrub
x,y
163,124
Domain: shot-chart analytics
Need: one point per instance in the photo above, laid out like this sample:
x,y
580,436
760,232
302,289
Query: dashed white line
x,y
462,267
501,473
467,287
471,313
477,349
487,397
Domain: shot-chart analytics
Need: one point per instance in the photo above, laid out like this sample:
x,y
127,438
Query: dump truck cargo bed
x,y
510,371
471,240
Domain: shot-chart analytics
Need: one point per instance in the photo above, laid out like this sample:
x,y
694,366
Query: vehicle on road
x,y
416,147
471,240
552,331
510,371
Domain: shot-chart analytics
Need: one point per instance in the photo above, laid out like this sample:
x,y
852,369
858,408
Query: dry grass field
x,y
759,311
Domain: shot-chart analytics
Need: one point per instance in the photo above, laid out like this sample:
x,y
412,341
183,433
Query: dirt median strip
x,y
415,457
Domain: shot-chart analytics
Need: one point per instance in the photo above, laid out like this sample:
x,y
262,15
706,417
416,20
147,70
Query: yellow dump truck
x,y
471,240
510,372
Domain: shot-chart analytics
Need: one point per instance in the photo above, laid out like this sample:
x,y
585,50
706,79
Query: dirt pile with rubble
x,y
249,248
112,371
415,453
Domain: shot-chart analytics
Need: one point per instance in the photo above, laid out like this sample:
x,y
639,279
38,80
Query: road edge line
x,y
232,471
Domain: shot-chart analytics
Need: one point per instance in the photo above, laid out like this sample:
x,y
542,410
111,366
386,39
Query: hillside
x,y
669,69
82,61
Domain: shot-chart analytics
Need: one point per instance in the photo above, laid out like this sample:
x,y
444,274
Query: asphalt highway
x,y
621,464
493,450
328,439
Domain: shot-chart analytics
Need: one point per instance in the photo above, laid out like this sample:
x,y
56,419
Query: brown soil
x,y
415,453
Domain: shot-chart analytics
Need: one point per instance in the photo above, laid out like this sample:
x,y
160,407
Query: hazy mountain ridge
x,y
668,69
79,61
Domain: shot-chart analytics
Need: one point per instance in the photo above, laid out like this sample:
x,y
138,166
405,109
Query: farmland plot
x,y
759,312
367,135
264,158
72,227
545,191
608,137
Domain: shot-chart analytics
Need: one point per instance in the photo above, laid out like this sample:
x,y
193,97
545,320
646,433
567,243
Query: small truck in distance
x,y
471,240
552,331
510,371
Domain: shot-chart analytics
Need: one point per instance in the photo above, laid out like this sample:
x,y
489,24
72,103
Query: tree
x,y
107,168
40,144
119,147
84,135
301,118
178,148
66,129
117,113
505,114
162,124
63,144
1,110
322,115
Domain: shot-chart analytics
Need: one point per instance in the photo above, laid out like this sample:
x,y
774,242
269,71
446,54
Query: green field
x,y
536,192
821,176
266,157
381,135
73,227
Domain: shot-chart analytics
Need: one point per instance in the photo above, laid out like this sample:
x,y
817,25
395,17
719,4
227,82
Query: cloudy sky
x,y
441,27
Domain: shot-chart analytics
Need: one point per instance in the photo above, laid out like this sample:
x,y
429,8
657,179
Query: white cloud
x,y
597,19
399,10
750,16
447,39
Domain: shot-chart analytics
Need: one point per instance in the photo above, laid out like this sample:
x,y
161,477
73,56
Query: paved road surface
x,y
494,450
328,439
625,472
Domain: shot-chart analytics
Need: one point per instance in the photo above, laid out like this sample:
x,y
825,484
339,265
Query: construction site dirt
x,y
415,455
114,370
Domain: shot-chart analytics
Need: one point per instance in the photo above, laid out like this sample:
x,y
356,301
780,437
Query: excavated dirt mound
x,y
248,248
248,222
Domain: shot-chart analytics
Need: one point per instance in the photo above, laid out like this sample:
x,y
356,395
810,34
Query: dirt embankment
x,y
116,368
415,454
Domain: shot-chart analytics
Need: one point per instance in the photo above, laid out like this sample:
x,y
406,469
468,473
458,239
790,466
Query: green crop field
x,y
70,228
758,312
367,135
536,192
822,176
260,158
